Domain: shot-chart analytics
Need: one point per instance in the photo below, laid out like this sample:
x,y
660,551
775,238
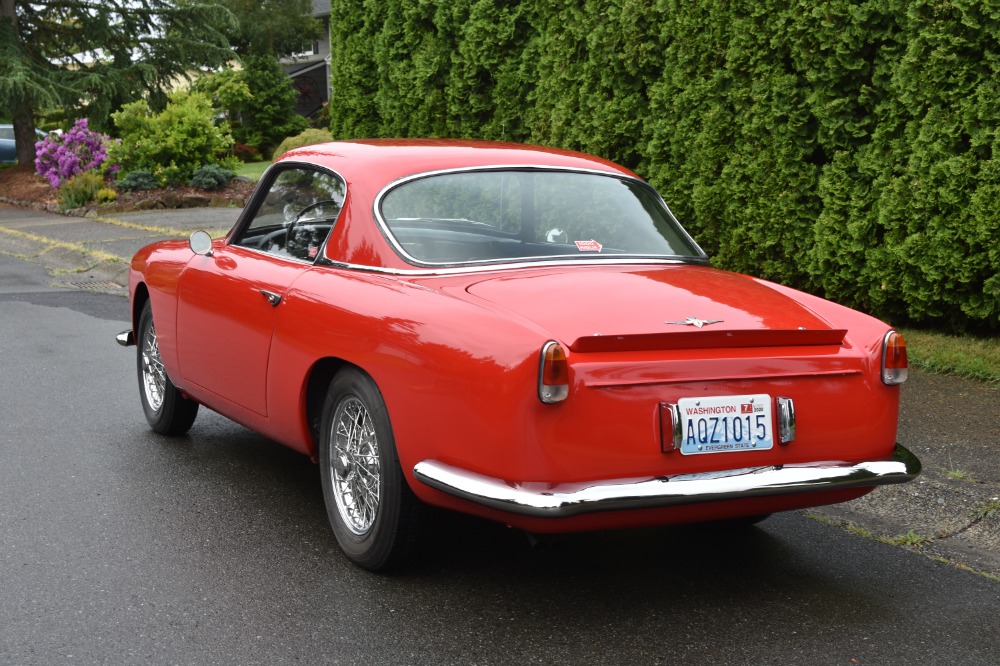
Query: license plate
x,y
721,424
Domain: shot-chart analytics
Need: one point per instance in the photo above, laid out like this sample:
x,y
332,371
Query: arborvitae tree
x,y
489,80
849,52
560,53
939,255
769,179
624,59
845,147
691,121
412,58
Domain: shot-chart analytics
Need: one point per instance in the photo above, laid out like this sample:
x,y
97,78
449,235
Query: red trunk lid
x,y
605,308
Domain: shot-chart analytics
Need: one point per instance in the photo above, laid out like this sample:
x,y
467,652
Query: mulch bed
x,y
21,186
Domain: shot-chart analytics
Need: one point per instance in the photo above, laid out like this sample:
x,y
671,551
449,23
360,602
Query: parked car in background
x,y
8,147
519,333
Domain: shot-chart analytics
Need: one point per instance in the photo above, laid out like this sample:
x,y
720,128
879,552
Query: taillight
x,y
894,364
553,373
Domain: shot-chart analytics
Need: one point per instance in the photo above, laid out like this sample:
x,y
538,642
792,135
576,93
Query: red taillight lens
x,y
553,374
894,363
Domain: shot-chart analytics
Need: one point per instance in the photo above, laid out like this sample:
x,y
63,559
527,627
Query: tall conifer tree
x,y
99,54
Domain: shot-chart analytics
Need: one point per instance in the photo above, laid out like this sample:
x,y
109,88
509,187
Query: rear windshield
x,y
530,215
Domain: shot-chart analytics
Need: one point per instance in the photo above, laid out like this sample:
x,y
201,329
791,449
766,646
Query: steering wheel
x,y
298,218
313,206
269,239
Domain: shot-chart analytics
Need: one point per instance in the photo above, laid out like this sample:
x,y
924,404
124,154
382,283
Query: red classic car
x,y
519,333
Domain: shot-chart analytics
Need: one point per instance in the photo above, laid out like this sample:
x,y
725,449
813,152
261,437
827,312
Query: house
x,y
310,69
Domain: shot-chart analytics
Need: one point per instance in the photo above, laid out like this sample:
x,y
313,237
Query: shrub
x,y
80,190
140,179
269,115
308,138
322,118
211,177
59,157
173,144
106,195
257,101
245,152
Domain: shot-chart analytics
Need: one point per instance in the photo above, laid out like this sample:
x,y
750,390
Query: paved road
x,y
123,547
93,254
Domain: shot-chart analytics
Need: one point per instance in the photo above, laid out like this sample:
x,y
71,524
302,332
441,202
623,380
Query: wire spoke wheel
x,y
154,379
167,411
355,469
373,513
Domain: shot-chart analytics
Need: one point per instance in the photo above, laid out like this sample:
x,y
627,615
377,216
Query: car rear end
x,y
645,416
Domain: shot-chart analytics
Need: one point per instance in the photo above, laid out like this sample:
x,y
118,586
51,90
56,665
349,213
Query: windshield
x,y
530,215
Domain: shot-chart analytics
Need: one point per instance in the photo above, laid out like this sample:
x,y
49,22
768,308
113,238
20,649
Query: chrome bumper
x,y
548,500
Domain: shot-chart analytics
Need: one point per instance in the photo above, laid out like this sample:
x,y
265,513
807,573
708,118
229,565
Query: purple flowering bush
x,y
60,157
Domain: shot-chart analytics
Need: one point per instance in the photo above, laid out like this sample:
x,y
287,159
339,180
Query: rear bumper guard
x,y
560,500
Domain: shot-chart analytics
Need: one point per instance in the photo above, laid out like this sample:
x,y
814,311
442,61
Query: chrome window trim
x,y
272,255
259,194
398,249
494,267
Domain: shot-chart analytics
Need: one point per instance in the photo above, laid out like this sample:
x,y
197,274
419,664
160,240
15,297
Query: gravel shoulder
x,y
952,511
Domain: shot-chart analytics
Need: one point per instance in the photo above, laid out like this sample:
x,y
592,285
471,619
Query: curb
x,y
73,267
77,265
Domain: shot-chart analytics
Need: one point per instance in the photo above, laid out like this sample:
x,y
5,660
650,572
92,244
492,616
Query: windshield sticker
x,y
588,246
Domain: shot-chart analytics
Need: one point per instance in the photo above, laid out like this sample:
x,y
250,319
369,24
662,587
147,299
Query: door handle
x,y
271,297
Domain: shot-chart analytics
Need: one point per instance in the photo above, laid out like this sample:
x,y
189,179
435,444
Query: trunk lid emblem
x,y
694,321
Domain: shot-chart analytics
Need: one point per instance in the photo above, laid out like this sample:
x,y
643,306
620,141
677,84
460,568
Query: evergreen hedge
x,y
844,147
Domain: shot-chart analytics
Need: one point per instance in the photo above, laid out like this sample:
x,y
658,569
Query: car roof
x,y
369,166
392,159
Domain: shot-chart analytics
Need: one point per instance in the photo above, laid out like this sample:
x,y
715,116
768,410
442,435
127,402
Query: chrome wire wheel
x,y
374,515
168,411
354,468
154,379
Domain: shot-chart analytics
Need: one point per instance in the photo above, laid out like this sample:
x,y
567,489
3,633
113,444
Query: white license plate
x,y
721,424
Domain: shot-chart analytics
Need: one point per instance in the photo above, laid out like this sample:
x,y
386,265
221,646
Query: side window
x,y
297,213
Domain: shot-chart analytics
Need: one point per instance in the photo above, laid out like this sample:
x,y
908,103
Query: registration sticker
x,y
722,424
588,246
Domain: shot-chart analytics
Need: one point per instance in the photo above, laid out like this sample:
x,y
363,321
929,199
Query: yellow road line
x,y
50,244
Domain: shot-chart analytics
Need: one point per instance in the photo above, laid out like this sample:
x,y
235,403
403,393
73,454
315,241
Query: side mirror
x,y
201,243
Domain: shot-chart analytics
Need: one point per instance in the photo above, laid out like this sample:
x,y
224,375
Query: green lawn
x,y
252,170
967,356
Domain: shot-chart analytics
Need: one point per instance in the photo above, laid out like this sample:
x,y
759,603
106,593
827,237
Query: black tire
x,y
167,411
374,515
742,522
